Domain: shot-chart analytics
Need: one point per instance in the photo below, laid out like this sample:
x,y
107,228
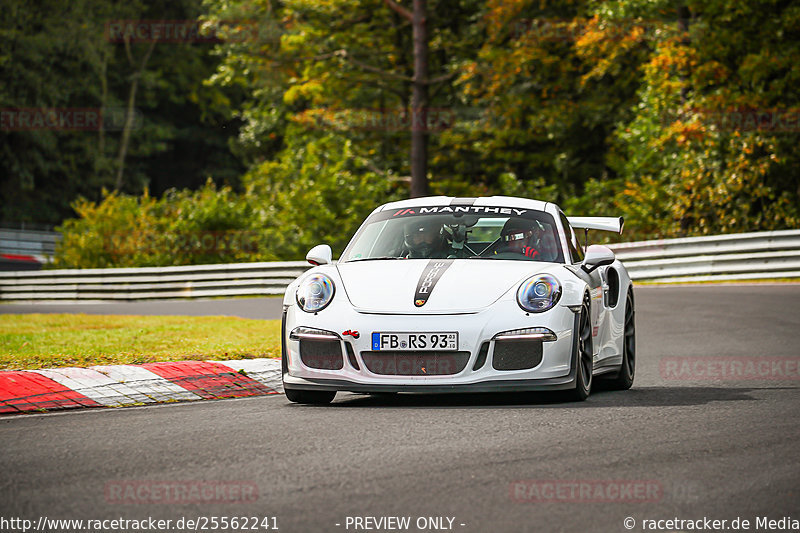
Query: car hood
x,y
463,285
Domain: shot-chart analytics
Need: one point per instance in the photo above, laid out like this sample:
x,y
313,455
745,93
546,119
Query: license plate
x,y
442,341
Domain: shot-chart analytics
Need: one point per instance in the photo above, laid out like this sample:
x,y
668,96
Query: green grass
x,y
33,341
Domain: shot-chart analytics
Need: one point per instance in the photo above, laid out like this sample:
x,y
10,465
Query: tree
x,y
352,68
709,149
56,57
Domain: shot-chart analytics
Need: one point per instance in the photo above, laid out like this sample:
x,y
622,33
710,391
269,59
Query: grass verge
x,y
30,341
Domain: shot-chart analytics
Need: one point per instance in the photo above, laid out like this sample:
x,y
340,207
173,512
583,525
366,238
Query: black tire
x,y
624,380
313,397
583,357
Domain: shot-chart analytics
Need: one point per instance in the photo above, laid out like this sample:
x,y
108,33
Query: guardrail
x,y
26,248
740,256
763,255
104,284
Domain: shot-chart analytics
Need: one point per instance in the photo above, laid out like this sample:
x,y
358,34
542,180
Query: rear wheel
x,y
627,371
584,357
314,397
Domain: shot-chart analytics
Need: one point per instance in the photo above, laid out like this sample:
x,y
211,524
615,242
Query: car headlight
x,y
539,293
315,293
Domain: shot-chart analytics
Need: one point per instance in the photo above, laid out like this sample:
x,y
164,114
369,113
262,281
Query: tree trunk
x,y
686,221
683,28
419,102
130,110
101,131
126,132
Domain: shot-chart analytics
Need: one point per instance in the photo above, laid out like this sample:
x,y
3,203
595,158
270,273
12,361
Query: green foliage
x,y
210,225
313,193
56,54
607,107
691,160
91,241
317,191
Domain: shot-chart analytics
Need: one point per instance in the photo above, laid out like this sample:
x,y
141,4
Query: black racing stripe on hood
x,y
429,278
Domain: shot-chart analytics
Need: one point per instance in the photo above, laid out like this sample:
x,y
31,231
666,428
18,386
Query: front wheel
x,y
313,397
583,357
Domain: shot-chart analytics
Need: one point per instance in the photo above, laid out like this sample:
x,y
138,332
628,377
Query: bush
x,y
210,225
317,191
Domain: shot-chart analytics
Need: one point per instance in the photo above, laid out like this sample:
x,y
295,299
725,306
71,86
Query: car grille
x,y
516,355
413,363
323,355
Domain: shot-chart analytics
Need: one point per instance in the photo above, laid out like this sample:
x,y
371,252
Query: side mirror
x,y
320,255
597,256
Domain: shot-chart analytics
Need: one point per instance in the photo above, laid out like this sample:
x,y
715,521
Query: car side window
x,y
575,250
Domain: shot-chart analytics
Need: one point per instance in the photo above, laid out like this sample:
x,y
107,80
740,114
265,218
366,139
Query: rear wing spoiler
x,y
613,224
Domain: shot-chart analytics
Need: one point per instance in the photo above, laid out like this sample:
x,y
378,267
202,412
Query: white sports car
x,y
444,294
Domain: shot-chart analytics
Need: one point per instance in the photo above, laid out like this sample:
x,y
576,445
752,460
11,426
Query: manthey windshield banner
x,y
454,210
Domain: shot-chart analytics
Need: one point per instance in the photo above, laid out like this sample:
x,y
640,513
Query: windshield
x,y
478,233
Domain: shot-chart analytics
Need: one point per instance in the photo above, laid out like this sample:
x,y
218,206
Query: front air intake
x,y
321,354
516,354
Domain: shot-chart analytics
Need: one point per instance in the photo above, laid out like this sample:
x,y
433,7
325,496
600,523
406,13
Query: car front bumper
x,y
556,370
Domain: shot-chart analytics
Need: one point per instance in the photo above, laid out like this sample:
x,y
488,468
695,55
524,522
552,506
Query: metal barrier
x,y
104,284
26,248
763,255
741,256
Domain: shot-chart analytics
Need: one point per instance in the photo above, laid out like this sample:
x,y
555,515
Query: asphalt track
x,y
713,448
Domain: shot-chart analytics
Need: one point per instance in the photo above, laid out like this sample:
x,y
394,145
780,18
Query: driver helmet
x,y
521,234
422,238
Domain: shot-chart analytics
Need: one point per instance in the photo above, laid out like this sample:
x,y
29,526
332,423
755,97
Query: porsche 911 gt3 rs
x,y
445,294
